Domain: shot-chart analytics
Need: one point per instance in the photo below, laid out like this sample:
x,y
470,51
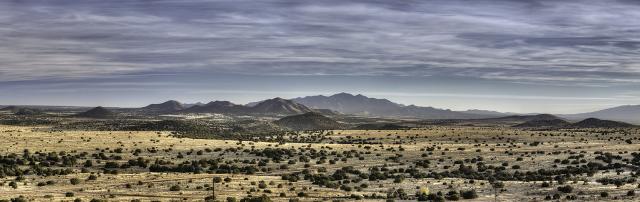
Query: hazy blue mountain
x,y
350,104
626,113
272,106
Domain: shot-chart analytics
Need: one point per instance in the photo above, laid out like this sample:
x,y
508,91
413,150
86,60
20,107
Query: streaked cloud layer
x,y
582,44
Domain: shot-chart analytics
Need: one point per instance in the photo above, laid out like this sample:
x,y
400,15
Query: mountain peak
x,y
216,107
625,113
168,106
280,106
220,103
278,99
171,102
343,94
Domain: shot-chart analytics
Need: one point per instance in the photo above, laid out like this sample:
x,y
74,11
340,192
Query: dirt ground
x,y
516,150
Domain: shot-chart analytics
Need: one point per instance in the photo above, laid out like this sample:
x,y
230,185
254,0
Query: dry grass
x,y
495,145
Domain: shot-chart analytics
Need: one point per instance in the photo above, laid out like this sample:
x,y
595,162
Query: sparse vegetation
x,y
453,162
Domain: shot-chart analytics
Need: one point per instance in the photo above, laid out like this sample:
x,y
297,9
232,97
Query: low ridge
x,y
165,107
309,121
526,118
11,109
97,113
28,112
552,123
598,123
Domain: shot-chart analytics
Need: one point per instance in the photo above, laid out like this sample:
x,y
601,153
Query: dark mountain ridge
x,y
271,106
543,123
598,123
165,107
97,113
28,112
525,118
280,106
309,121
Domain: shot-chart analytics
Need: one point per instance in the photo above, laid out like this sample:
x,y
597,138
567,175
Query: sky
x,y
528,56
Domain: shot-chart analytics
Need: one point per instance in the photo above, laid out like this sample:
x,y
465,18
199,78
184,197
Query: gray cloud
x,y
558,42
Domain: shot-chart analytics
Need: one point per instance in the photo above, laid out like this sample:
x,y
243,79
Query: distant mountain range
x,y
276,106
222,107
361,105
349,104
626,113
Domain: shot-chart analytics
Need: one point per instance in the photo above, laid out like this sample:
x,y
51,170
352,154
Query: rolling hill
x,y
598,123
97,113
309,121
11,109
549,123
165,107
524,118
28,112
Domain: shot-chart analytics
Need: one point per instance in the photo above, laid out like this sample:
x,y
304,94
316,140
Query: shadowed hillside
x,y
165,107
97,113
552,123
309,121
598,123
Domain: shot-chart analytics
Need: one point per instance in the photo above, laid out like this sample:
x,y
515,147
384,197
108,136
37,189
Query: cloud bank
x,y
557,42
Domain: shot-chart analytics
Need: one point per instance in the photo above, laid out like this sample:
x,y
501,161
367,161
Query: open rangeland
x,y
434,163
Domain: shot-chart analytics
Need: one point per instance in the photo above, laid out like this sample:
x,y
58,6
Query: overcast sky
x,y
517,56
